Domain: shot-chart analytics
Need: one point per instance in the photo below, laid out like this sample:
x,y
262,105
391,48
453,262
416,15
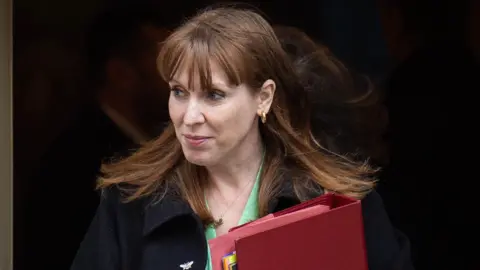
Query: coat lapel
x,y
181,238
174,236
159,211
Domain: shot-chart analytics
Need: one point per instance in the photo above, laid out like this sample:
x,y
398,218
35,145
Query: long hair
x,y
245,46
348,114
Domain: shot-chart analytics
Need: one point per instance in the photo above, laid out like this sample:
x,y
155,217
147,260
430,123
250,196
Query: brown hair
x,y
348,114
245,46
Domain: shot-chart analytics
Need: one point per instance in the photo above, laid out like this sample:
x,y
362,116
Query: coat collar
x,y
160,211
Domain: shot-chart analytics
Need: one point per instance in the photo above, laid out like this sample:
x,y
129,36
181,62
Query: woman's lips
x,y
194,140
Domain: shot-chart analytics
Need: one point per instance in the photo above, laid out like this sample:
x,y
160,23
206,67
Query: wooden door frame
x,y
6,142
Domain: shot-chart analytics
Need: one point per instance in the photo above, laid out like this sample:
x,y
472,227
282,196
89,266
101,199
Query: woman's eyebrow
x,y
176,82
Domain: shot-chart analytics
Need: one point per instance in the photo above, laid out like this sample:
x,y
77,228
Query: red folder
x,y
309,237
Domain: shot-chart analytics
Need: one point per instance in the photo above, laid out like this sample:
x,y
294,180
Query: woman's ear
x,y
265,96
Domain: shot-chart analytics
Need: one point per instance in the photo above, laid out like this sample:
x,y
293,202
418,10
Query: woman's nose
x,y
193,114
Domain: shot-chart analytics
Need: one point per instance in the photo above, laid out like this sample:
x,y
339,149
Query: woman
x,y
239,146
348,114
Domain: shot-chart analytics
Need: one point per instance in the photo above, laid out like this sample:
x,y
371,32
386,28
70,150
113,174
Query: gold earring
x,y
263,117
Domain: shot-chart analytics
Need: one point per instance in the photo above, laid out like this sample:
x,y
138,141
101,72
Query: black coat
x,y
143,236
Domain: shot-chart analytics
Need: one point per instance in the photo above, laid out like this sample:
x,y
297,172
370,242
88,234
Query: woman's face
x,y
212,124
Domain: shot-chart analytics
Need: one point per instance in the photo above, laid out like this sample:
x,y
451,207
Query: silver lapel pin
x,y
187,265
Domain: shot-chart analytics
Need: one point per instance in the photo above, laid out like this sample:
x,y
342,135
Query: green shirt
x,y
250,213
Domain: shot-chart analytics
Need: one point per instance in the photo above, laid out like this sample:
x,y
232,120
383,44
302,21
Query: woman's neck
x,y
238,169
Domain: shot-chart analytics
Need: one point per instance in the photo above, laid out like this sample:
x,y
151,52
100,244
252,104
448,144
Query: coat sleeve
x,y
99,249
387,248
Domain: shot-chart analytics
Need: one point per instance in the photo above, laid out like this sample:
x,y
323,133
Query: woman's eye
x,y
215,95
178,92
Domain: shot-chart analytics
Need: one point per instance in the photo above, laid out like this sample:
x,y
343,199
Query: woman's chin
x,y
199,159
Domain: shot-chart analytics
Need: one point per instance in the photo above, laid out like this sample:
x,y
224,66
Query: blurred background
x,y
422,55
